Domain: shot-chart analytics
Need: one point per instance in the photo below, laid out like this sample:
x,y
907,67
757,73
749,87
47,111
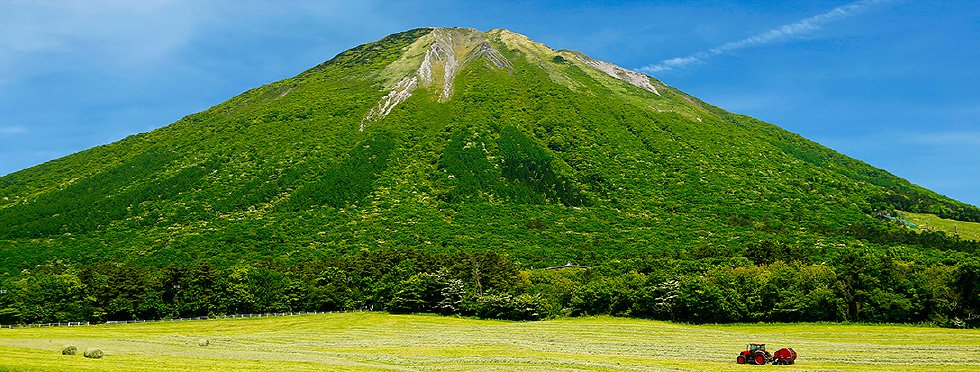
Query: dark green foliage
x,y
9,316
418,294
967,285
704,301
526,163
607,295
85,205
768,252
506,306
69,350
862,285
122,292
349,181
52,294
261,189
465,162
193,290
525,173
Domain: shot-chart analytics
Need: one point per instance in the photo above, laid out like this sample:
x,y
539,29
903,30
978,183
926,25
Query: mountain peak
x,y
450,137
434,60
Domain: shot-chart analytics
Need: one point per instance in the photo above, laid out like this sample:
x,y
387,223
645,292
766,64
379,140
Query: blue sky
x,y
893,83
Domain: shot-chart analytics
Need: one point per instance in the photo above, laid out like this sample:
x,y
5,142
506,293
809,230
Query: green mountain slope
x,y
448,139
439,170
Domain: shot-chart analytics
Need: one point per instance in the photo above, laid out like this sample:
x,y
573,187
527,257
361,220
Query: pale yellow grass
x,y
965,230
377,341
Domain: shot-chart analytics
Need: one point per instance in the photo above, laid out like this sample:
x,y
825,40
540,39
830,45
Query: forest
x,y
765,283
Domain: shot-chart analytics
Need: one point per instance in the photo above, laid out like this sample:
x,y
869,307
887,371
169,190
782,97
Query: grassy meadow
x,y
379,341
965,230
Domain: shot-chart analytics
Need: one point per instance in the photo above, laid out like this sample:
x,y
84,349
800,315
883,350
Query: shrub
x,y
203,342
93,353
505,306
418,294
69,350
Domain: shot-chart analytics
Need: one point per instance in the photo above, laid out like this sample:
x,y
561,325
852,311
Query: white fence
x,y
69,324
76,324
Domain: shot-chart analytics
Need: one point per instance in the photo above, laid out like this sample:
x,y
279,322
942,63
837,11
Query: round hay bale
x,y
93,353
69,350
203,342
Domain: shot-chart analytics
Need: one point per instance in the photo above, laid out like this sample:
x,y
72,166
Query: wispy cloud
x,y
104,34
772,36
12,130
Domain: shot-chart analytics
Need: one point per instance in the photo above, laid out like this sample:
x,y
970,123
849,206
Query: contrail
x,y
777,34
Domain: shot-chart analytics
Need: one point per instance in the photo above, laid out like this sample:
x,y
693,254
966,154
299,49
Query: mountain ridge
x,y
662,141
376,180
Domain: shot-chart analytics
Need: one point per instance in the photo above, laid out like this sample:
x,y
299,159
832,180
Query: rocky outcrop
x,y
435,59
636,78
438,65
400,93
492,55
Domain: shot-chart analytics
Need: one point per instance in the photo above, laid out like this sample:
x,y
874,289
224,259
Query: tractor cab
x,y
754,354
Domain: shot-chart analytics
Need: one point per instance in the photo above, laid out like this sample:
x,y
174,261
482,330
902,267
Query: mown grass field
x,y
378,341
966,230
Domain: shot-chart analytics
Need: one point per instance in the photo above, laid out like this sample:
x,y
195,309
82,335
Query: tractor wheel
x,y
740,359
760,359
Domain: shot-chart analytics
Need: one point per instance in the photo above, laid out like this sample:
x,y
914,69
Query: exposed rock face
x,y
442,50
401,92
434,60
638,79
486,51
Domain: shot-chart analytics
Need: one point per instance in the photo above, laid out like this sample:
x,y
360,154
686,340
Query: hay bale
x,y
203,342
69,350
93,353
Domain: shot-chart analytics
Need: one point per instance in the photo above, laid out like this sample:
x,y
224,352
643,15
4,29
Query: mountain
x,y
483,174
454,140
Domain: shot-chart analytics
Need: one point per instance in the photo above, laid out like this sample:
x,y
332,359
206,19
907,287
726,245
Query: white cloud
x,y
12,130
669,64
772,36
110,34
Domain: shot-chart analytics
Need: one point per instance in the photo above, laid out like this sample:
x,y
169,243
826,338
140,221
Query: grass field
x,y
377,341
966,230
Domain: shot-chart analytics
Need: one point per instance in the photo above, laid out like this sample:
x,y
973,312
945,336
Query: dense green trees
x,y
860,285
966,283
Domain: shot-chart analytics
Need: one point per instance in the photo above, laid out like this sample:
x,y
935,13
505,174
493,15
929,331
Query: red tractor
x,y
757,354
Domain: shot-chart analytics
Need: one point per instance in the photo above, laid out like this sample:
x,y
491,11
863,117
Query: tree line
x,y
858,285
